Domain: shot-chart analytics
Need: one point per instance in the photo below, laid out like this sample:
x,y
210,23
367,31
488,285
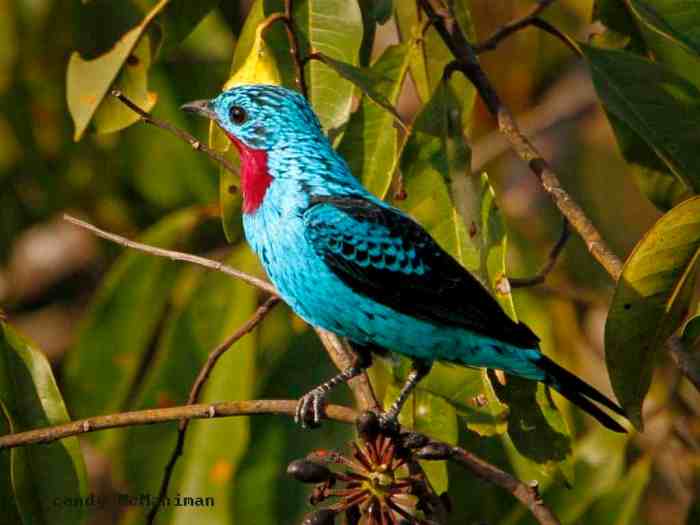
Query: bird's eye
x,y
238,114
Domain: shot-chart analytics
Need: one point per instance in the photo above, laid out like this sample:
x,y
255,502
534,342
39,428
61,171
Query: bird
x,y
352,264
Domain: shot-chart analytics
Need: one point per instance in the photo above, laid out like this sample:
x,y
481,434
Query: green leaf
x,y
209,307
677,21
179,18
662,108
599,461
621,505
125,67
255,59
7,494
102,366
652,177
44,477
370,141
535,425
651,299
429,55
334,28
463,15
88,81
366,79
434,164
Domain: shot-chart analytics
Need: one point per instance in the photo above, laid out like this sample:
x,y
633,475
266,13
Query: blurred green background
x,y
171,316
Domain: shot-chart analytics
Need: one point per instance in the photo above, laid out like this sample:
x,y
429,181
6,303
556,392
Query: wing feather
x,y
385,255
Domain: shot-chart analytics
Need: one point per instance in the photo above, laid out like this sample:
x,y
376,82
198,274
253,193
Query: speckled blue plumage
x,y
286,232
352,264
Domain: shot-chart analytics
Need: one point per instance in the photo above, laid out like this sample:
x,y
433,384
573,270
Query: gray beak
x,y
200,107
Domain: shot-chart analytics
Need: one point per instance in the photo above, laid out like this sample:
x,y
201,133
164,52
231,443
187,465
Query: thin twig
x,y
285,407
196,389
294,46
180,133
467,63
474,464
527,495
522,282
511,27
571,97
338,352
174,255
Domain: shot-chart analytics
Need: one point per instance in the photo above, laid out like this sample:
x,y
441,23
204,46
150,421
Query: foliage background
x,y
125,331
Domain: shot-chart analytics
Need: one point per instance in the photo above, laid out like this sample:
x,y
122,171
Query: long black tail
x,y
581,393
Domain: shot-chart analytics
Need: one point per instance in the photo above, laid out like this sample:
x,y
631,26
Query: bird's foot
x,y
389,423
310,408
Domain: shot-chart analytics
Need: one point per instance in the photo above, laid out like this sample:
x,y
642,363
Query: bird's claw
x,y
388,422
310,409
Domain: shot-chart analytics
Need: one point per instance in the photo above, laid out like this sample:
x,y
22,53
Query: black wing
x,y
386,256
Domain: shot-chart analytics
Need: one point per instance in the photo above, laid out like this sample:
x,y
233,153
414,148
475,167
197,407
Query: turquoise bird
x,y
350,263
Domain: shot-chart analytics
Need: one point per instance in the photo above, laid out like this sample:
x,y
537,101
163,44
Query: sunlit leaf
x,y
209,307
370,141
88,81
434,164
334,28
651,299
253,63
102,366
42,475
662,108
369,80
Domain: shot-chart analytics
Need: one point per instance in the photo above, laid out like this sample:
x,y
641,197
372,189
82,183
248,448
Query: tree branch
x,y
196,389
285,407
479,467
467,63
528,495
511,27
175,255
180,133
522,282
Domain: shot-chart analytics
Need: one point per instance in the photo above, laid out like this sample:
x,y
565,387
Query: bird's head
x,y
260,117
273,128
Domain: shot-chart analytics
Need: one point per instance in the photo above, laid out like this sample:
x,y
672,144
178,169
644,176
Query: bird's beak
x,y
200,107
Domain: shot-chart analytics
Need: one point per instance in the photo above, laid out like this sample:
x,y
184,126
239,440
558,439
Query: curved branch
x,y
467,63
180,133
286,407
522,282
438,450
529,19
528,495
174,255
196,389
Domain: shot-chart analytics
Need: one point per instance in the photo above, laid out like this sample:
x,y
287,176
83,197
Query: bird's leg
x,y
420,369
310,406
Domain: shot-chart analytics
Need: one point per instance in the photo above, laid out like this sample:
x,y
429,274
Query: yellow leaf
x,y
259,67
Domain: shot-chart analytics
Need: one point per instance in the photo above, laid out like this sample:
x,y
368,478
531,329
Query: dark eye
x,y
238,114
